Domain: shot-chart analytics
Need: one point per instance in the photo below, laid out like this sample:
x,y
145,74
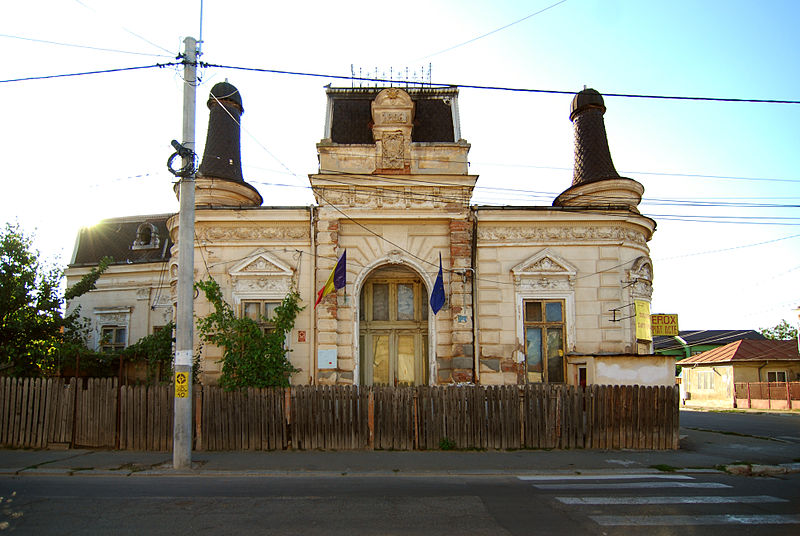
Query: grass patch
x,y
446,443
664,468
737,434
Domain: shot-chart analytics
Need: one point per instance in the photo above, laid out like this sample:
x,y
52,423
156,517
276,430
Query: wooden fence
x,y
767,395
98,413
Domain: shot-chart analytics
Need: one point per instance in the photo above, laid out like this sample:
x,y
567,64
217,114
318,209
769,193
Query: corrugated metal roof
x,y
747,350
705,336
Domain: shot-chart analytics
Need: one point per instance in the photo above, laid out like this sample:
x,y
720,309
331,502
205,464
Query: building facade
x,y
532,293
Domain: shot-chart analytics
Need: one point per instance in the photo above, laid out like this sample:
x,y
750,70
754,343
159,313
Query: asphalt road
x,y
780,426
668,503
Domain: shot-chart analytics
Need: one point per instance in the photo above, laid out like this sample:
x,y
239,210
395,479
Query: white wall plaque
x,y
183,358
326,359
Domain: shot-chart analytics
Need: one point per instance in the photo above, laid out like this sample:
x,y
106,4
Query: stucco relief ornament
x,y
566,234
545,284
392,150
263,284
120,319
642,289
395,257
641,273
255,233
545,265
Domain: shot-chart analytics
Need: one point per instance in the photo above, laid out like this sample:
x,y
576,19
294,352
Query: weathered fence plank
x,y
98,413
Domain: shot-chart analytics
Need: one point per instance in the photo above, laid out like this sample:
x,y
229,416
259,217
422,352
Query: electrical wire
x,y
103,71
710,340
708,252
131,32
465,86
502,88
492,32
88,47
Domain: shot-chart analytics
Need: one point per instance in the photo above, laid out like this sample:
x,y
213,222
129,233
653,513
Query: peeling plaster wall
x,y
634,370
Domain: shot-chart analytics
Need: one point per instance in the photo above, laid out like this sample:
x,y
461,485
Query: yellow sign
x,y
643,330
181,385
666,325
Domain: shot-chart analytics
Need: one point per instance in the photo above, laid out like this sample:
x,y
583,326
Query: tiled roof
x,y
117,238
592,156
222,157
748,350
706,336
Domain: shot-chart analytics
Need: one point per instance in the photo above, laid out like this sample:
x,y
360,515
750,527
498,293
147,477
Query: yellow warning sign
x,y
181,385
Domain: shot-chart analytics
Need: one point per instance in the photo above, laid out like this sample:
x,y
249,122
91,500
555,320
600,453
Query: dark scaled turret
x,y
219,179
595,181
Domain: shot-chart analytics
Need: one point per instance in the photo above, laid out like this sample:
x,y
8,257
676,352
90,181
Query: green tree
x,y
784,331
33,329
30,305
156,350
250,358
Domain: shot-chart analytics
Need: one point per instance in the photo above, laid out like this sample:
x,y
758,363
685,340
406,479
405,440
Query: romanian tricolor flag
x,y
336,280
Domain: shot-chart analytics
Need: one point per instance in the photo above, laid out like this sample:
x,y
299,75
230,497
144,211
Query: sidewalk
x,y
700,450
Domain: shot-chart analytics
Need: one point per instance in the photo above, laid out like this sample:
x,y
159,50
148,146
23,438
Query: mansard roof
x,y
128,240
349,118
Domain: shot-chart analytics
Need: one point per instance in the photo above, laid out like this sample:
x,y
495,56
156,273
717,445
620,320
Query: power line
x,y
104,71
124,28
492,32
502,88
728,249
631,172
465,86
101,49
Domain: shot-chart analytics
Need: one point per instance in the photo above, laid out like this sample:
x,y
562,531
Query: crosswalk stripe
x,y
724,519
605,477
632,485
702,499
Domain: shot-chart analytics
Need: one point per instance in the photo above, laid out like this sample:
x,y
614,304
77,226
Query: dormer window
x,y
146,237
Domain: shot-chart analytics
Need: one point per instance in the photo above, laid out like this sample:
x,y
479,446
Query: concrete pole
x,y
182,428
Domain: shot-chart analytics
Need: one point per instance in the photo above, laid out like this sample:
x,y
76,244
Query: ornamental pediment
x,y
544,264
260,265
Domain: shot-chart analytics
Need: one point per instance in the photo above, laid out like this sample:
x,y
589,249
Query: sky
x,y
721,178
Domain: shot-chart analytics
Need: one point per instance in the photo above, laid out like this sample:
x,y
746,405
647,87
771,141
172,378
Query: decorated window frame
x,y
545,277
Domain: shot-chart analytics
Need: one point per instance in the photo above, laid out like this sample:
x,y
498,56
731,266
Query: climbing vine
x,y
155,350
250,357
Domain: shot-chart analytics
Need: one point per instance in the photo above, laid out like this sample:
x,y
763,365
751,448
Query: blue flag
x,y
437,296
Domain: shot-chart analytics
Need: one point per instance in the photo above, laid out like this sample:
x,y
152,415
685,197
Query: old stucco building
x,y
533,293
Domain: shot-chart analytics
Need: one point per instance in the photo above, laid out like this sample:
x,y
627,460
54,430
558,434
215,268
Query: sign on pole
x,y
643,331
664,325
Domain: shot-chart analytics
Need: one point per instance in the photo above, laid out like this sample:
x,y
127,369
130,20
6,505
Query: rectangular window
x,y
705,380
545,330
261,312
776,376
113,338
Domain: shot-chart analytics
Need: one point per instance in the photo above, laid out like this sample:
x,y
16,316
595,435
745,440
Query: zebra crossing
x,y
650,500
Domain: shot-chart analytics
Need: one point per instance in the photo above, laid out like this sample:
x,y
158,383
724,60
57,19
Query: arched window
x,y
146,237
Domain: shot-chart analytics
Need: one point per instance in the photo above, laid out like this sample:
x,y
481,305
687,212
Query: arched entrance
x,y
393,328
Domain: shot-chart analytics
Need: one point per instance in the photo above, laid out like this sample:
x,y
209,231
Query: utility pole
x,y
182,427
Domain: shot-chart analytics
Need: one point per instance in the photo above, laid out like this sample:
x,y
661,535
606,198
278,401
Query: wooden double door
x,y
393,328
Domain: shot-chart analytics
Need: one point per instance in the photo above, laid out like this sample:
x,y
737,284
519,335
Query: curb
x,y
756,469
415,473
